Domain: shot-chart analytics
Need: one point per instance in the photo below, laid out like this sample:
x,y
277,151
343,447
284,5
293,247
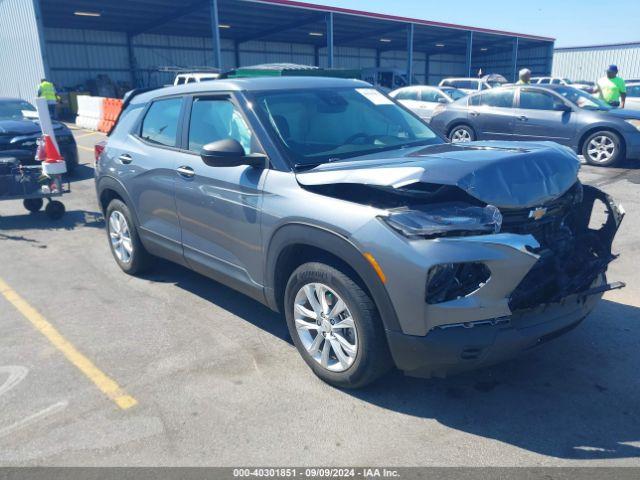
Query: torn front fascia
x,y
572,255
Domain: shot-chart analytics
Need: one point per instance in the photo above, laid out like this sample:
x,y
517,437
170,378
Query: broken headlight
x,y
445,219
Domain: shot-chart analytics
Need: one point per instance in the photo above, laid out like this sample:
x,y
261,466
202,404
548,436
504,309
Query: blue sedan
x,y
562,114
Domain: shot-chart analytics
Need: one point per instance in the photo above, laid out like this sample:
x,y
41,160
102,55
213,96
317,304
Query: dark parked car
x,y
562,114
379,242
19,131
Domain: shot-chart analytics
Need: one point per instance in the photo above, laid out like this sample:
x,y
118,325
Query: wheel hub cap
x,y
120,236
325,327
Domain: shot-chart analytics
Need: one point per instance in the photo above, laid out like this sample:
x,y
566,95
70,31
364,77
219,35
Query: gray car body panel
x,y
567,128
232,223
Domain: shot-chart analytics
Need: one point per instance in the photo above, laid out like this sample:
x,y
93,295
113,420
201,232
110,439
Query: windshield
x,y
582,99
13,109
322,125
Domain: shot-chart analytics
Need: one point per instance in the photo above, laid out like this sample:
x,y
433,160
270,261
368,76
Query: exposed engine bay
x,y
575,233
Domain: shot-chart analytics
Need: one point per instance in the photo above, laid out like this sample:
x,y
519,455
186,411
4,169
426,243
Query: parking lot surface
x,y
99,368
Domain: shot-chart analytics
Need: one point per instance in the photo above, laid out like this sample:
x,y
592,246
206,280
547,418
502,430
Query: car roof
x,y
253,84
11,99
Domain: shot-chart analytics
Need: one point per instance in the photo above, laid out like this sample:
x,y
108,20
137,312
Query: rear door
x,y
219,207
539,118
492,114
145,162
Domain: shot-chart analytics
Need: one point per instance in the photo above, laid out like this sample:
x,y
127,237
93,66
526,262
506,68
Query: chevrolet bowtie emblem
x,y
538,213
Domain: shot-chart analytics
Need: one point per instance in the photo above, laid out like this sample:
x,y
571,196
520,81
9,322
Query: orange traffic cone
x,y
53,163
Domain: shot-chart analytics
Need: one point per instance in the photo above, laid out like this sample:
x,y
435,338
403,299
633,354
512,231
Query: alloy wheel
x,y
601,149
325,327
120,236
460,135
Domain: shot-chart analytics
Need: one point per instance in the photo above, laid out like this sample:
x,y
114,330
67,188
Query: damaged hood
x,y
504,174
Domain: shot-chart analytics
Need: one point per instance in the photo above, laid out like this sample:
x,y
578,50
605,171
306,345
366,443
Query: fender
x,y
337,245
110,183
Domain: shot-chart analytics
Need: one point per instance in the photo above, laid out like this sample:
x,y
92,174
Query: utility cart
x,y
31,185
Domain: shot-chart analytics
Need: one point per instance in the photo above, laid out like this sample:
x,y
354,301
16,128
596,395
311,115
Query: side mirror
x,y
230,153
562,107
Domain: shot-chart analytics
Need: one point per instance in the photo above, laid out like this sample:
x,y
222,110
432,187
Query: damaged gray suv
x,y
380,243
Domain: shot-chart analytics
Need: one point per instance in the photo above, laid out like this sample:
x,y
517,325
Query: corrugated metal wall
x,y
21,60
590,63
76,56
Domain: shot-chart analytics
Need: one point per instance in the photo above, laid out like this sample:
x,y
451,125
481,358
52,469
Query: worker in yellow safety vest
x,y
48,91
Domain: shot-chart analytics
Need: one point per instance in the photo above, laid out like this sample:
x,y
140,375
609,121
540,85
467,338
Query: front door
x,y
540,117
219,207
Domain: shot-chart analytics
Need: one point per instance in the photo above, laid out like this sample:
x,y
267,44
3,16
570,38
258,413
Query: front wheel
x,y
126,247
335,326
603,149
462,134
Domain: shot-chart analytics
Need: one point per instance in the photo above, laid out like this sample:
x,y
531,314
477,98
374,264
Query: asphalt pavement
x,y
99,368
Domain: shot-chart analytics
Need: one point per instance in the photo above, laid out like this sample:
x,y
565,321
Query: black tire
x,y
463,129
372,358
609,140
33,204
55,210
140,260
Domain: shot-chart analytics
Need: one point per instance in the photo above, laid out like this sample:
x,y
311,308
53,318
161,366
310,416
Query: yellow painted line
x,y
104,383
88,134
89,149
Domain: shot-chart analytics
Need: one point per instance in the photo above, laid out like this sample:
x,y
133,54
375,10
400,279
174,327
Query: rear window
x,y
160,124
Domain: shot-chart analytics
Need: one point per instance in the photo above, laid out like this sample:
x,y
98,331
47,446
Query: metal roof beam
x,y
316,17
374,33
174,15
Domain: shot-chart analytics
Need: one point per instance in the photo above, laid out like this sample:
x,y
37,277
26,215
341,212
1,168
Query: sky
x,y
571,22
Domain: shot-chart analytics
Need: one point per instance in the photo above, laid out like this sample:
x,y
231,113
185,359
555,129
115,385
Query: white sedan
x,y
422,100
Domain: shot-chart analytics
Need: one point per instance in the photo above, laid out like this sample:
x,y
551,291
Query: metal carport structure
x,y
129,40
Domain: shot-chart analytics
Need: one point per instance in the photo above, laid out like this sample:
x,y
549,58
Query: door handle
x,y
523,118
473,113
125,159
186,172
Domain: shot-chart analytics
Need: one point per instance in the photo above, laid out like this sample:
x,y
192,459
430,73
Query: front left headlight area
x,y
445,219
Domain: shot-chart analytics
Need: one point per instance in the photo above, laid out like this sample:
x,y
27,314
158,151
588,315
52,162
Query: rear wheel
x,y
33,204
603,149
335,326
55,210
462,134
125,244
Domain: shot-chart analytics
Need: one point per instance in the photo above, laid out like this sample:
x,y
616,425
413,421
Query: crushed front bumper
x,y
456,348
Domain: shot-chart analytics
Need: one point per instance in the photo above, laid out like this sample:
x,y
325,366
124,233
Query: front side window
x,y
214,119
160,124
407,94
320,125
431,96
536,100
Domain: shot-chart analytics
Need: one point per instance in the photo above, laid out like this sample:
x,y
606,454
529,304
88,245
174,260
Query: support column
x,y
378,58
514,58
330,40
316,56
215,34
469,53
426,68
132,61
236,53
410,31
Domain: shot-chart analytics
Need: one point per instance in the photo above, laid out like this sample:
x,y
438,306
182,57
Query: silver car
x,y
380,243
422,99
